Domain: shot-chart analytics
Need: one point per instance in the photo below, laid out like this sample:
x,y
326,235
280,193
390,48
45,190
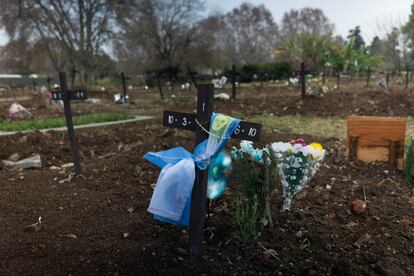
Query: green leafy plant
x,y
309,48
304,244
256,180
256,173
139,172
247,215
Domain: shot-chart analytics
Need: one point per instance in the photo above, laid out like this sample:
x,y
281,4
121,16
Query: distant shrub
x,y
269,71
105,82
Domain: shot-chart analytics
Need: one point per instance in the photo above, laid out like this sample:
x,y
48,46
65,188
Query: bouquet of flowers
x,y
315,88
297,163
17,111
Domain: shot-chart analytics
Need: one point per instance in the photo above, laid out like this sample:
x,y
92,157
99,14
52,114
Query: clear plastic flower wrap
x,y
297,163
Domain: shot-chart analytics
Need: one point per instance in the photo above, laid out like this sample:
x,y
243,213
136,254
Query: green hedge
x,y
269,71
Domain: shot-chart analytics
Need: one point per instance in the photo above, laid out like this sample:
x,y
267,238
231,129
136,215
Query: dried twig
x,y
390,180
266,189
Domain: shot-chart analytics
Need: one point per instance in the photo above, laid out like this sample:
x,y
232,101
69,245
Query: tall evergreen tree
x,y
358,39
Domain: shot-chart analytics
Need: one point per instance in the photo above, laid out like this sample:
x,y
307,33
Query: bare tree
x,y
393,43
157,34
24,57
76,28
249,34
306,20
206,50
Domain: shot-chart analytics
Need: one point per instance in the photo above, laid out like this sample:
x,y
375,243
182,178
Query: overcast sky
x,y
345,14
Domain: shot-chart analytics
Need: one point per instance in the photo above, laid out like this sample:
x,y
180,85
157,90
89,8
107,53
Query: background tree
x,y
376,46
356,35
158,34
248,34
71,28
306,20
17,56
309,49
307,35
391,51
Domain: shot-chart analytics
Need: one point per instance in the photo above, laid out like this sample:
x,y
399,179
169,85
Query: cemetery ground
x,y
97,224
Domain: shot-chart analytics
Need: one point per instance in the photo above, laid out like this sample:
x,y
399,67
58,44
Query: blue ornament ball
x,y
218,174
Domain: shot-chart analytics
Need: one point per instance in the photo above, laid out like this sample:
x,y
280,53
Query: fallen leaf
x,y
14,157
35,227
67,165
358,206
68,179
361,240
406,221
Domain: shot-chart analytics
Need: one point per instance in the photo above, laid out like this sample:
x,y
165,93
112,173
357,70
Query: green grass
x,y
60,122
324,127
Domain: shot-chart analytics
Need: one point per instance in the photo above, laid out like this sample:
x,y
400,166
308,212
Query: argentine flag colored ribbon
x,y
171,198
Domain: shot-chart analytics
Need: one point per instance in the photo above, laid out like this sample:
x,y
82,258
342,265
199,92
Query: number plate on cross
x,y
73,95
244,131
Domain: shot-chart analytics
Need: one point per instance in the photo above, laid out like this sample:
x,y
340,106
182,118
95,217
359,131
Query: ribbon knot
x,y
171,199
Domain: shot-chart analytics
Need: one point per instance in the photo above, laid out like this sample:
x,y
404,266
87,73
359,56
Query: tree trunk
x,y
368,76
302,80
160,87
338,78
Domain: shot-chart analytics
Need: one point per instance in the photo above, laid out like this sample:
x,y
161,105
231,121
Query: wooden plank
x,y
374,136
73,95
244,131
179,120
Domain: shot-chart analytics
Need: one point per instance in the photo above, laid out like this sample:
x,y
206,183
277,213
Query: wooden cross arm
x,y
187,121
73,95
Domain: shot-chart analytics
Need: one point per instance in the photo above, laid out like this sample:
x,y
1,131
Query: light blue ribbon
x,y
171,199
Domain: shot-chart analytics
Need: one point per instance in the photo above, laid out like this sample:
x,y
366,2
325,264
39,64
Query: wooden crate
x,y
376,139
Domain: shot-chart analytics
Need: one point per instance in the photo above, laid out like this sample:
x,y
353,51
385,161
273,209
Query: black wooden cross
x,y
124,79
302,80
48,80
34,83
233,81
245,131
407,73
66,96
192,75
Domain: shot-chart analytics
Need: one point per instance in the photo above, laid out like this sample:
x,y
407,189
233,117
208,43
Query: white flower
x,y
281,147
297,148
307,150
246,146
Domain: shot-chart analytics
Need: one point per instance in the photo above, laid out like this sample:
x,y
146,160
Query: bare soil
x,y
97,223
